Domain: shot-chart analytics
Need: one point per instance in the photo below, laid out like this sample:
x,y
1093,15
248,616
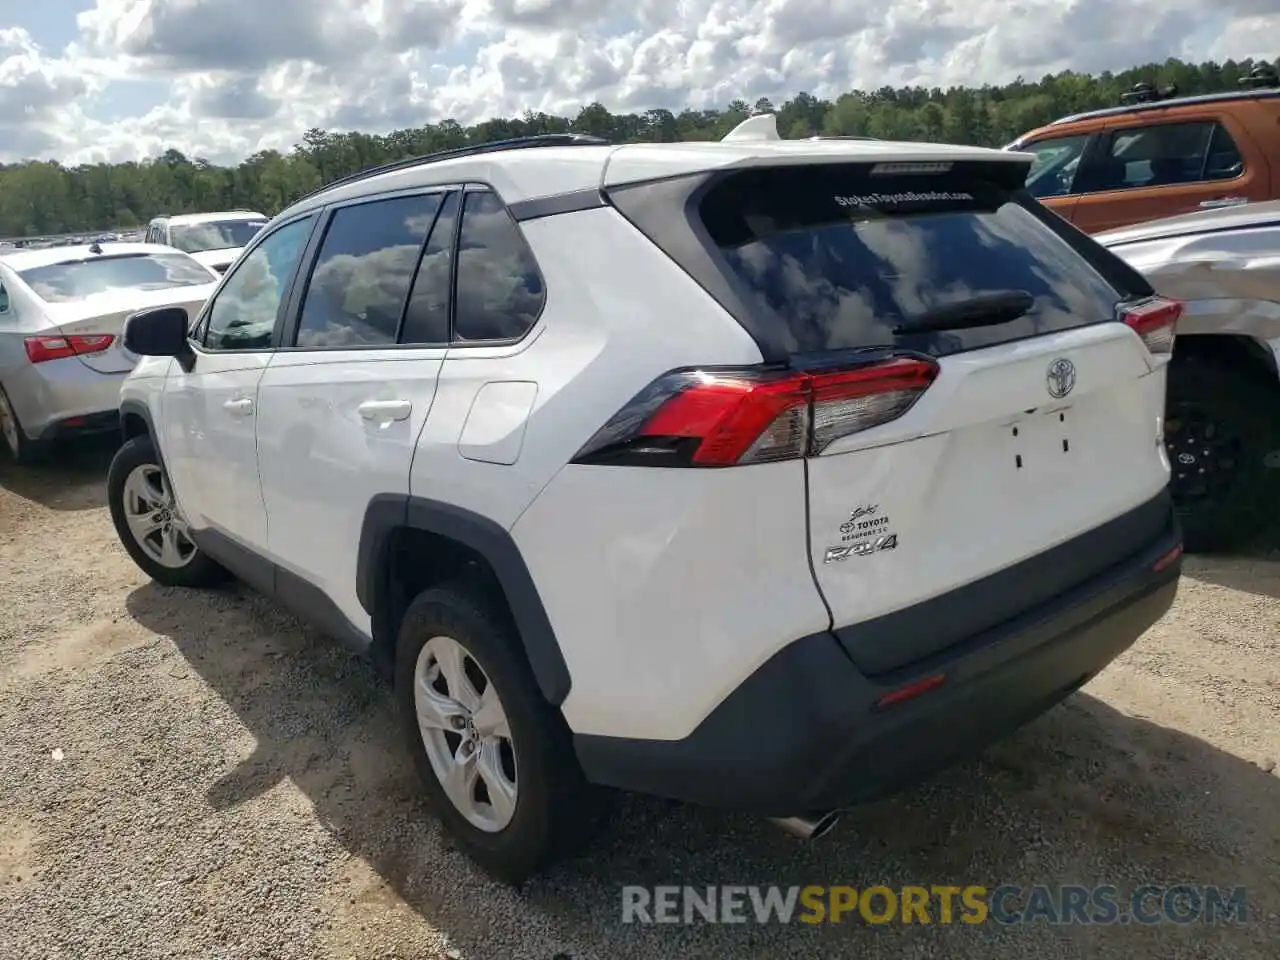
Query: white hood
x,y
217,260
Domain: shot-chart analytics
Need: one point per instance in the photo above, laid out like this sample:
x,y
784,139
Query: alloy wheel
x,y
153,518
466,734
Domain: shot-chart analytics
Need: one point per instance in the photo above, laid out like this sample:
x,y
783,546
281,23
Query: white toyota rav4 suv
x,y
766,474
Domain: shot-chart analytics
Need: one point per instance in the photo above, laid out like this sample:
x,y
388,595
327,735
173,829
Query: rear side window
x,y
1168,154
75,280
499,290
836,258
361,278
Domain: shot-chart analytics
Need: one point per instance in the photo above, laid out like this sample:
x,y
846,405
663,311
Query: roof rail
x,y
493,146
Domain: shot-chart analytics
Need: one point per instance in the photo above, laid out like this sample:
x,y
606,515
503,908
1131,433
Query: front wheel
x,y
148,522
1222,433
495,758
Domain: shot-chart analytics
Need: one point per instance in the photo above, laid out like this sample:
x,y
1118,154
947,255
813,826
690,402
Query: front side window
x,y
243,313
74,280
499,289
1053,172
1169,154
361,278
215,234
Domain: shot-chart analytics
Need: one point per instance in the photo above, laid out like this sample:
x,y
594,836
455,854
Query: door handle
x,y
385,410
1223,202
239,407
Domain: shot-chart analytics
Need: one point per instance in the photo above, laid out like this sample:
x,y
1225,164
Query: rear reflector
x,y
722,418
1155,321
1167,560
40,349
911,690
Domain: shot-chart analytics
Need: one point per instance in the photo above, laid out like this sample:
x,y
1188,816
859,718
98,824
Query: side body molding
x,y
389,513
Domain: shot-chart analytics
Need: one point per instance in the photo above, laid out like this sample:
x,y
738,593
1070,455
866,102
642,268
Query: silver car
x,y
62,310
1222,427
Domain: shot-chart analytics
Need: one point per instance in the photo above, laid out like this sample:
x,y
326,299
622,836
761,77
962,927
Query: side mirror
x,y
158,333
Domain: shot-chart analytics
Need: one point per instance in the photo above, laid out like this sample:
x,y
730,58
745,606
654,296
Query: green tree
x,y
42,197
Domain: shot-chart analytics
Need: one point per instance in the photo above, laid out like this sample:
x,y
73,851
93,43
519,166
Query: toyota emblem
x,y
1061,378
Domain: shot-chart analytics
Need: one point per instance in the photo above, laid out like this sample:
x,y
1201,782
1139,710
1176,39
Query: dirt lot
x,y
195,775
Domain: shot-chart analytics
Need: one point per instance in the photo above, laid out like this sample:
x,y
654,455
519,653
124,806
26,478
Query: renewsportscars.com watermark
x,y
973,904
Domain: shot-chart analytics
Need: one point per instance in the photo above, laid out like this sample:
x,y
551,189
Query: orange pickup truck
x,y
1158,154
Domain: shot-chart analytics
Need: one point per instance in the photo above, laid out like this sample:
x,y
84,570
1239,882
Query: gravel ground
x,y
196,775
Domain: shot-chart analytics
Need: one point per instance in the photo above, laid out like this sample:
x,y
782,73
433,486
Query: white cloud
x,y
244,75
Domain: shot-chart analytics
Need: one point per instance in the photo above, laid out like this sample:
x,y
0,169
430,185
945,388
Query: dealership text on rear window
x,y
894,199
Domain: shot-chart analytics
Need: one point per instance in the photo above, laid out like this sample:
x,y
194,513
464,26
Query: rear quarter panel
x,y
1229,280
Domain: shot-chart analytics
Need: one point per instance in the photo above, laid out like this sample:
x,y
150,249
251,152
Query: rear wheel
x,y
148,522
494,757
21,447
1222,431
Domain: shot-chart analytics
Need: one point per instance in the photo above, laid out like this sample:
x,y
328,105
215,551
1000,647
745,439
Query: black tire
x,y
1222,431
556,810
200,570
26,451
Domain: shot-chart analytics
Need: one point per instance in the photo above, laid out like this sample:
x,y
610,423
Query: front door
x,y
210,411
343,402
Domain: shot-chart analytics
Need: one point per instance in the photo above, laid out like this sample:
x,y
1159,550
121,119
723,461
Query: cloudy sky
x,y
85,80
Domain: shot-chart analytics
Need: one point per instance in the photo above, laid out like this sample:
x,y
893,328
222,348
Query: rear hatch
x,y
88,301
105,315
958,454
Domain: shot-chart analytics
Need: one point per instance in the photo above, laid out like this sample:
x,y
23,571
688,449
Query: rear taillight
x,y
723,418
40,349
1155,321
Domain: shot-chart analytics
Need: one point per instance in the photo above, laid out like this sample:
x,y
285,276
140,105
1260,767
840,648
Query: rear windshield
x,y
74,280
214,234
841,257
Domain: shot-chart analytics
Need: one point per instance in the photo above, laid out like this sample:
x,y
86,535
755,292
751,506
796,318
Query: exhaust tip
x,y
808,827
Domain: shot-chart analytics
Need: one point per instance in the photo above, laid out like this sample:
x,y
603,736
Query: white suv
x,y
215,239
765,474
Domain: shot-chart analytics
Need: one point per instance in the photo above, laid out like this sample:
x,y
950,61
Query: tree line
x,y
44,197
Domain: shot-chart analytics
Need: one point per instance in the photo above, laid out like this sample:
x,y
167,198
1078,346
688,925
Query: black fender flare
x,y
387,513
136,408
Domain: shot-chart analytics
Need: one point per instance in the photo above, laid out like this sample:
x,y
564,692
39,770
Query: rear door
x,y
1034,430
343,401
1150,168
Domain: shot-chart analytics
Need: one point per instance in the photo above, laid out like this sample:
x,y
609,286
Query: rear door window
x,y
1167,154
837,258
361,277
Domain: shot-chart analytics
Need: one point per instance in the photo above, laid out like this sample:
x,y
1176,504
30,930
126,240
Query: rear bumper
x,y
805,731
62,397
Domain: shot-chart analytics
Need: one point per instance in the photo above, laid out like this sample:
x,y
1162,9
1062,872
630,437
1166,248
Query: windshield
x,y
74,280
214,235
